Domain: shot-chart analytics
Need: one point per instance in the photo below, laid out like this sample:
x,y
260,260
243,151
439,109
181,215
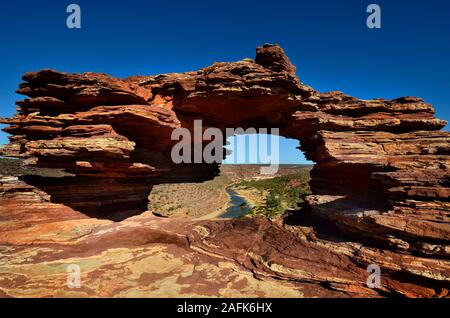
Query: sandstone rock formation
x,y
381,174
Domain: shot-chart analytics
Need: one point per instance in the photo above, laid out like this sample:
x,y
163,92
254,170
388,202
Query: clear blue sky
x,y
327,40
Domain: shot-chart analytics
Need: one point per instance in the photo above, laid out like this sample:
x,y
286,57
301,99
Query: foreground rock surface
x,y
147,256
381,179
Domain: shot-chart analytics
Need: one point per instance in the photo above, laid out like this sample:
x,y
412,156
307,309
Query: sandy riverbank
x,y
253,196
216,214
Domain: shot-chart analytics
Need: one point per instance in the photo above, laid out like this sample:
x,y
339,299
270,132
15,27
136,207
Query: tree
x,y
273,202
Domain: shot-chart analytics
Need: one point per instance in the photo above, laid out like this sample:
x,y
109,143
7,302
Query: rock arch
x,y
382,166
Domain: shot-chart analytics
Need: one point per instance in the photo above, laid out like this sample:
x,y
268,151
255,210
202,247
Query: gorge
x,y
380,188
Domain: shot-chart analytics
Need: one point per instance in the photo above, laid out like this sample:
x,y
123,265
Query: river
x,y
238,206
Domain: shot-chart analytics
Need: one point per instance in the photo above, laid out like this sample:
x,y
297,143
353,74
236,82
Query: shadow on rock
x,y
111,199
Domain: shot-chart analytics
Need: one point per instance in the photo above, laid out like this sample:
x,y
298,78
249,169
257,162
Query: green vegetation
x,y
272,207
282,193
272,196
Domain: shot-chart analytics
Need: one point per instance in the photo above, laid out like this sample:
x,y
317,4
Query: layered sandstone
x,y
380,177
147,256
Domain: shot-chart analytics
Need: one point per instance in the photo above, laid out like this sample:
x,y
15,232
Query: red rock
x,y
381,173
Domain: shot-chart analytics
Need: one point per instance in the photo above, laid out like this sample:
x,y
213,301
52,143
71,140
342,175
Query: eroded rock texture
x,y
381,175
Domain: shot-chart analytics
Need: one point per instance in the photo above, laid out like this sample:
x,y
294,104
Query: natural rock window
x,y
380,176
